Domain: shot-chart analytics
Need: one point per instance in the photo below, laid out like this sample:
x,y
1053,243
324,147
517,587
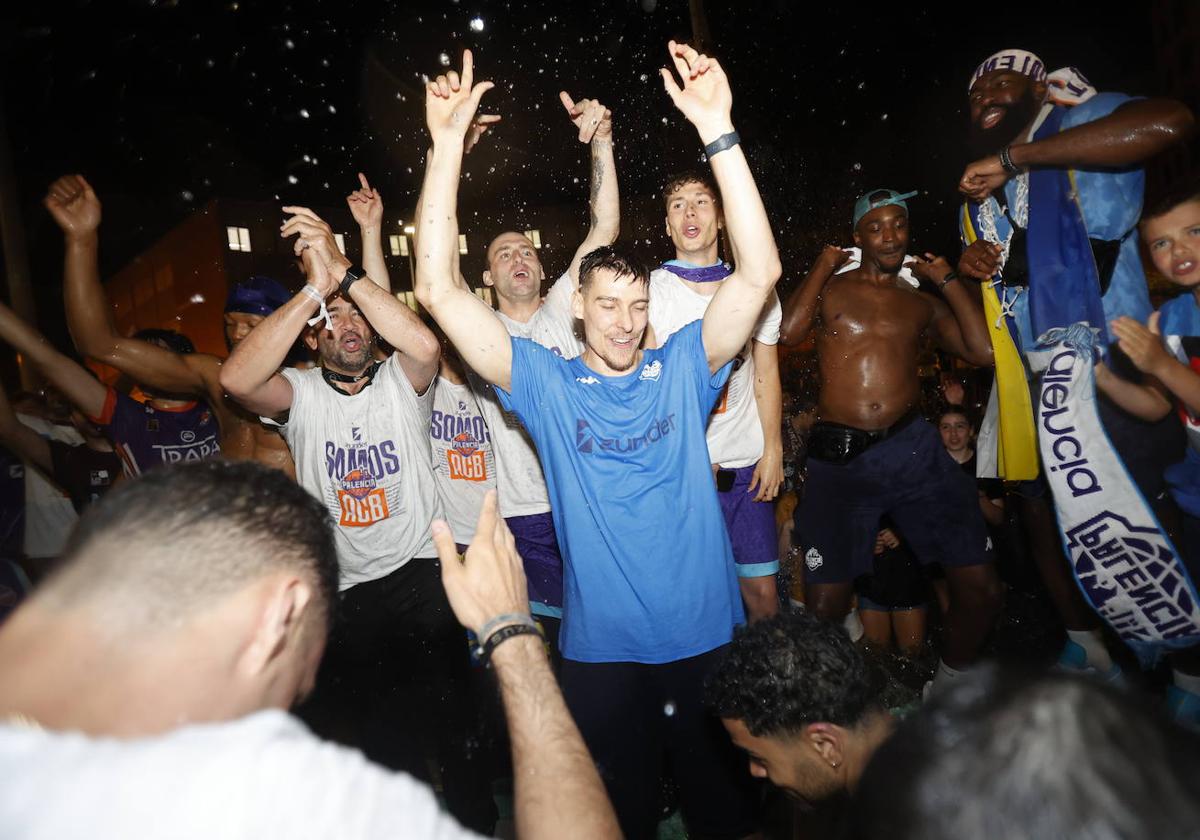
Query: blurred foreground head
x,y
194,592
1002,756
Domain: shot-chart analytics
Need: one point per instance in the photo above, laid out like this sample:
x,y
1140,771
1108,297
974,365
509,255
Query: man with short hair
x,y
745,432
1002,755
871,453
191,611
1051,147
796,696
620,434
515,272
205,423
358,429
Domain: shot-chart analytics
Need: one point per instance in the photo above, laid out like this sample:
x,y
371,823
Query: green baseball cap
x,y
879,198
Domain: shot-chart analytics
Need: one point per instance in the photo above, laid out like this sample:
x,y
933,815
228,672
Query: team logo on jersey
x,y
813,560
465,460
356,434
187,436
651,371
361,500
587,380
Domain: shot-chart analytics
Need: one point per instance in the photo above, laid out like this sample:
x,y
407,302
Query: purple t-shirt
x,y
145,436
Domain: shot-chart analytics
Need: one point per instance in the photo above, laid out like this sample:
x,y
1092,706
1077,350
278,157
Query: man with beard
x,y
358,430
165,371
650,594
871,453
1022,119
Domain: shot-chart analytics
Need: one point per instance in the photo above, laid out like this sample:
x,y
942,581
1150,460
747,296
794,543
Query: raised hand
x,y
451,102
74,205
705,98
313,234
981,260
1142,344
490,580
982,178
833,258
589,116
953,391
933,268
366,205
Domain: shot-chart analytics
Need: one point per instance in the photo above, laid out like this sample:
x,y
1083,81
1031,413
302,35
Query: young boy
x,y
1167,350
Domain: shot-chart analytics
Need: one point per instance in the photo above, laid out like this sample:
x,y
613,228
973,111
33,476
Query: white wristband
x,y
312,294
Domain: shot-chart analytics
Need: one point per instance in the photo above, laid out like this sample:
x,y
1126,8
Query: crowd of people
x,y
660,572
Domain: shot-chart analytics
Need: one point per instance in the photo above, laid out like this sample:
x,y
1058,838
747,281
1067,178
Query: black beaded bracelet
x,y
947,280
503,634
725,141
1006,161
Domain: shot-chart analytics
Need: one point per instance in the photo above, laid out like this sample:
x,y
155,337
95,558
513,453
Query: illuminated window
x,y
239,238
341,242
395,246
408,299
484,293
462,243
534,236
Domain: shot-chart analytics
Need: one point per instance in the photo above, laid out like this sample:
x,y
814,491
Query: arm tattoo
x,y
597,180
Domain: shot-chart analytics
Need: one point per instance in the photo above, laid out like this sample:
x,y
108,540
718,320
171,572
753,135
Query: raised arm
x,y
83,390
251,373
76,209
366,206
469,323
391,319
1143,345
804,303
557,791
958,324
1130,135
21,440
706,101
594,122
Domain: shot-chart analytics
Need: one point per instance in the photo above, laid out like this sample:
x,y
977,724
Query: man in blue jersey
x,y
620,433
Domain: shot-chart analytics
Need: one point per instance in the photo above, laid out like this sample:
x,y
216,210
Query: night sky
x,y
164,105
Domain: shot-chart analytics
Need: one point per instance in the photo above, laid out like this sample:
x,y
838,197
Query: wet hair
x,y
1001,754
782,673
1179,194
609,258
182,536
175,341
690,176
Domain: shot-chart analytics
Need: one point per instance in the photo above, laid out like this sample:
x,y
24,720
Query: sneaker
x,y
1074,660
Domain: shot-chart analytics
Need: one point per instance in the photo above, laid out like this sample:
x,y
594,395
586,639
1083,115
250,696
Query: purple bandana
x,y
701,274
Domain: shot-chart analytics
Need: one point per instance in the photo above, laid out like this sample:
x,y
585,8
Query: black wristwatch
x,y
353,274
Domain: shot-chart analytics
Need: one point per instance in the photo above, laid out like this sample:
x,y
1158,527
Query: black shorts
x,y
630,714
909,476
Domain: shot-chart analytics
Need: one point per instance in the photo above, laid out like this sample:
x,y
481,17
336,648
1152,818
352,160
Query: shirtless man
x,y
74,205
871,453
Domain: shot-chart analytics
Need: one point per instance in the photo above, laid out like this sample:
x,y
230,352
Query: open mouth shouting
x,y
991,116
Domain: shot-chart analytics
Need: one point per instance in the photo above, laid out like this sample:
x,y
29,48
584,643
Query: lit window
x,y
239,238
534,236
408,299
484,293
341,242
404,246
462,243
396,248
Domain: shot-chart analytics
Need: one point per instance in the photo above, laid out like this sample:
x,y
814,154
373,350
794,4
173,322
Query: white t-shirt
x,y
735,437
262,776
49,514
367,458
520,483
462,455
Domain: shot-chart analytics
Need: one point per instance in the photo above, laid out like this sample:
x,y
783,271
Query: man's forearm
x,y
604,198
750,237
557,791
1130,135
87,306
972,324
261,353
436,240
372,257
398,324
800,310
768,396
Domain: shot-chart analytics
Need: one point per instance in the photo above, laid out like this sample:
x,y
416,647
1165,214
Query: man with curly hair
x,y
795,694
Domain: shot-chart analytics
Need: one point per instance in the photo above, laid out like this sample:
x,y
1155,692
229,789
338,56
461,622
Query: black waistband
x,y
838,443
900,425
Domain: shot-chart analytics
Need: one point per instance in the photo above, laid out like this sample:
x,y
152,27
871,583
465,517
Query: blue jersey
x,y
144,436
649,571
1179,323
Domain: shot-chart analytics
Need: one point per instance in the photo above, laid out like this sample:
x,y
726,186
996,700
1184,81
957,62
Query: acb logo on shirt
x,y
362,502
465,460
